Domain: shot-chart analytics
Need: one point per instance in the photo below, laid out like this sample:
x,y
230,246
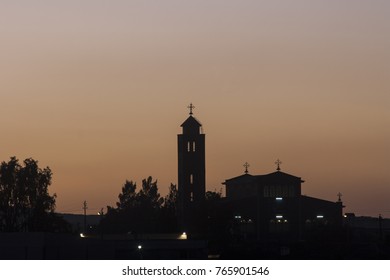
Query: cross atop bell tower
x,y
278,163
191,174
246,165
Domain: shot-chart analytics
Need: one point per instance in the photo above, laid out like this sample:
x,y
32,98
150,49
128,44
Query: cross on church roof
x,y
246,165
278,163
191,107
339,195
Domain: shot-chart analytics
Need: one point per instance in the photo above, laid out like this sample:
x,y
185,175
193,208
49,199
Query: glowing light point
x,y
183,236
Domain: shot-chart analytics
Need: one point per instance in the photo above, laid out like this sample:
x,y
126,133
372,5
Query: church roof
x,y
245,178
271,177
278,175
191,122
309,199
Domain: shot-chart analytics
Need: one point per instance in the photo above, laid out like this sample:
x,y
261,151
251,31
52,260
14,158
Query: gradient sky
x,y
97,90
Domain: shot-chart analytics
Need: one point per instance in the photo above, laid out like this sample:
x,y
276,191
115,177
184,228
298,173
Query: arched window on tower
x,y
193,146
192,196
191,179
188,146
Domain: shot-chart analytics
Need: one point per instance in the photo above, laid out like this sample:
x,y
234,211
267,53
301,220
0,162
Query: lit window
x,y
320,216
193,146
188,146
279,198
191,179
279,216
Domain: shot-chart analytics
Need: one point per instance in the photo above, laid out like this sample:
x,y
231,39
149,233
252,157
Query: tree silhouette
x,y
25,203
170,199
128,197
168,211
123,218
211,196
144,211
149,197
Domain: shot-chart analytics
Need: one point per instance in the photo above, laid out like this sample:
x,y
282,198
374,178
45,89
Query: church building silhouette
x,y
191,174
260,207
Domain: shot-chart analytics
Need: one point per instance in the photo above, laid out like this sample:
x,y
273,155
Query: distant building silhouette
x,y
272,206
191,174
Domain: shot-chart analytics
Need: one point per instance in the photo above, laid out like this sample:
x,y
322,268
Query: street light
x,y
183,236
140,251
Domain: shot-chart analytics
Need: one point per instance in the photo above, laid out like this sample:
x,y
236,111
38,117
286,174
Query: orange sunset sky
x,y
97,90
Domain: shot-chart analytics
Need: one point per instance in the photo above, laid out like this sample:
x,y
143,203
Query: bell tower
x,y
191,174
